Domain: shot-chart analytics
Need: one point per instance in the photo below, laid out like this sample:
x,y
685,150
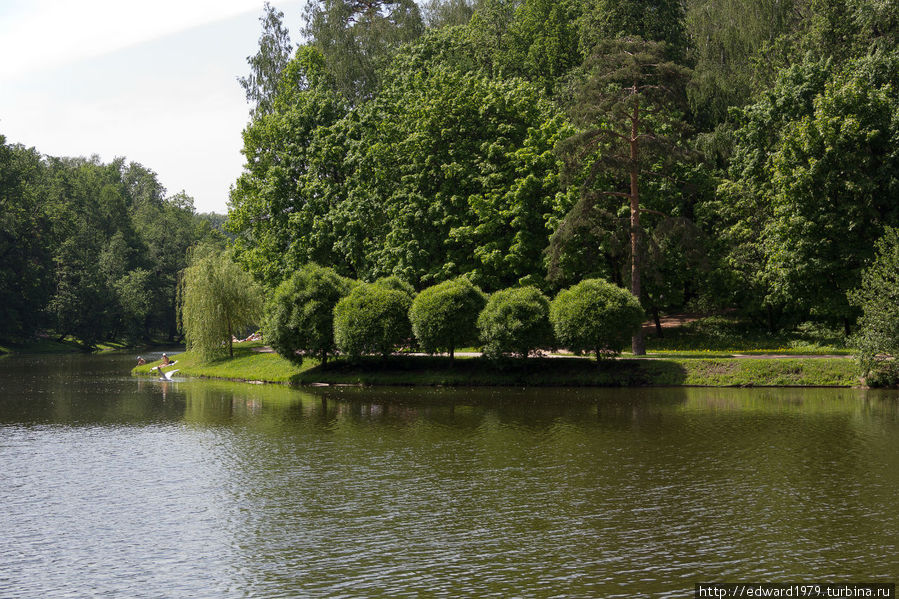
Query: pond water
x,y
116,486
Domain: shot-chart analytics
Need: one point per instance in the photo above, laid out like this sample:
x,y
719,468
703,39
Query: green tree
x,y
595,316
812,193
877,338
261,85
445,315
734,45
628,109
218,299
447,13
454,173
742,210
25,246
652,20
372,319
354,35
515,321
299,317
278,224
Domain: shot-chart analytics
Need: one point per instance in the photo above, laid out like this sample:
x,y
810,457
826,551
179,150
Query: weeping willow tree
x,y
217,298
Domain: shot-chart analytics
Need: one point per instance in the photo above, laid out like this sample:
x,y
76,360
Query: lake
x,y
117,486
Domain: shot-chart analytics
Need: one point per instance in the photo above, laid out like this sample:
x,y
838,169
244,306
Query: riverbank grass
x,y
251,364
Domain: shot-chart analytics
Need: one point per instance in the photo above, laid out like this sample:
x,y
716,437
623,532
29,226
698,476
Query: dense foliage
x,y
878,297
89,249
595,316
445,315
372,319
218,301
515,321
299,316
708,154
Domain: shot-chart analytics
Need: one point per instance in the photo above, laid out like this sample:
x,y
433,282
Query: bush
x,y
515,321
445,316
372,319
877,338
595,316
396,283
299,318
218,299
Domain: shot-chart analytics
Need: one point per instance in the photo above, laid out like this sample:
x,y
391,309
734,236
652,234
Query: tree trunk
x,y
847,327
230,340
638,347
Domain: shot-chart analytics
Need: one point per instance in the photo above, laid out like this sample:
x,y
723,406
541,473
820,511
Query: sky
x,y
155,82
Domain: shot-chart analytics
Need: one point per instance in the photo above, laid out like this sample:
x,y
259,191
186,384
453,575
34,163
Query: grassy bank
x,y
249,364
51,346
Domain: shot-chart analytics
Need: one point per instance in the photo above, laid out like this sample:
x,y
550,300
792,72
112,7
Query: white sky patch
x,y
155,82
47,33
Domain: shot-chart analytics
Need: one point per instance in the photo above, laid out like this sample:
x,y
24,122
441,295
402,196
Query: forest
x,y
708,155
729,154
90,251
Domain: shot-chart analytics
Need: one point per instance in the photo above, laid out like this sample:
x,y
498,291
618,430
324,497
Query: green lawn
x,y
249,364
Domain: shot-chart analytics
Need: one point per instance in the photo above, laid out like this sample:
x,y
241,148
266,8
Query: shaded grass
x,y
249,365
52,346
721,334
44,346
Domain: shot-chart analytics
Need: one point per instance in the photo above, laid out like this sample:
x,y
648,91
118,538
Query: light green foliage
x,y
261,85
536,40
279,224
299,317
455,175
877,338
595,316
396,283
445,315
354,37
218,300
515,321
444,173
447,13
372,319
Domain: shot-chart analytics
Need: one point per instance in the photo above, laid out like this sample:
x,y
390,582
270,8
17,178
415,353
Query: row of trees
x,y
705,153
89,249
317,313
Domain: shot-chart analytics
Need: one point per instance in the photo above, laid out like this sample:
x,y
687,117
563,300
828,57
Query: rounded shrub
x,y
299,317
445,316
394,282
515,321
372,319
595,316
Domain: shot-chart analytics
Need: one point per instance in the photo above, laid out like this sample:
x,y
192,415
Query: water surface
x,y
115,486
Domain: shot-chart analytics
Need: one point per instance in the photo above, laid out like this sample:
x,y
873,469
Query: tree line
x,y
705,154
90,250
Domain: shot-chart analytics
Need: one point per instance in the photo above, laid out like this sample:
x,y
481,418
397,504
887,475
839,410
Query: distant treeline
x,y
496,139
90,250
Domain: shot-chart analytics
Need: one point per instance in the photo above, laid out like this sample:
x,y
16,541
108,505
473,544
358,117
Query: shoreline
x,y
250,365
